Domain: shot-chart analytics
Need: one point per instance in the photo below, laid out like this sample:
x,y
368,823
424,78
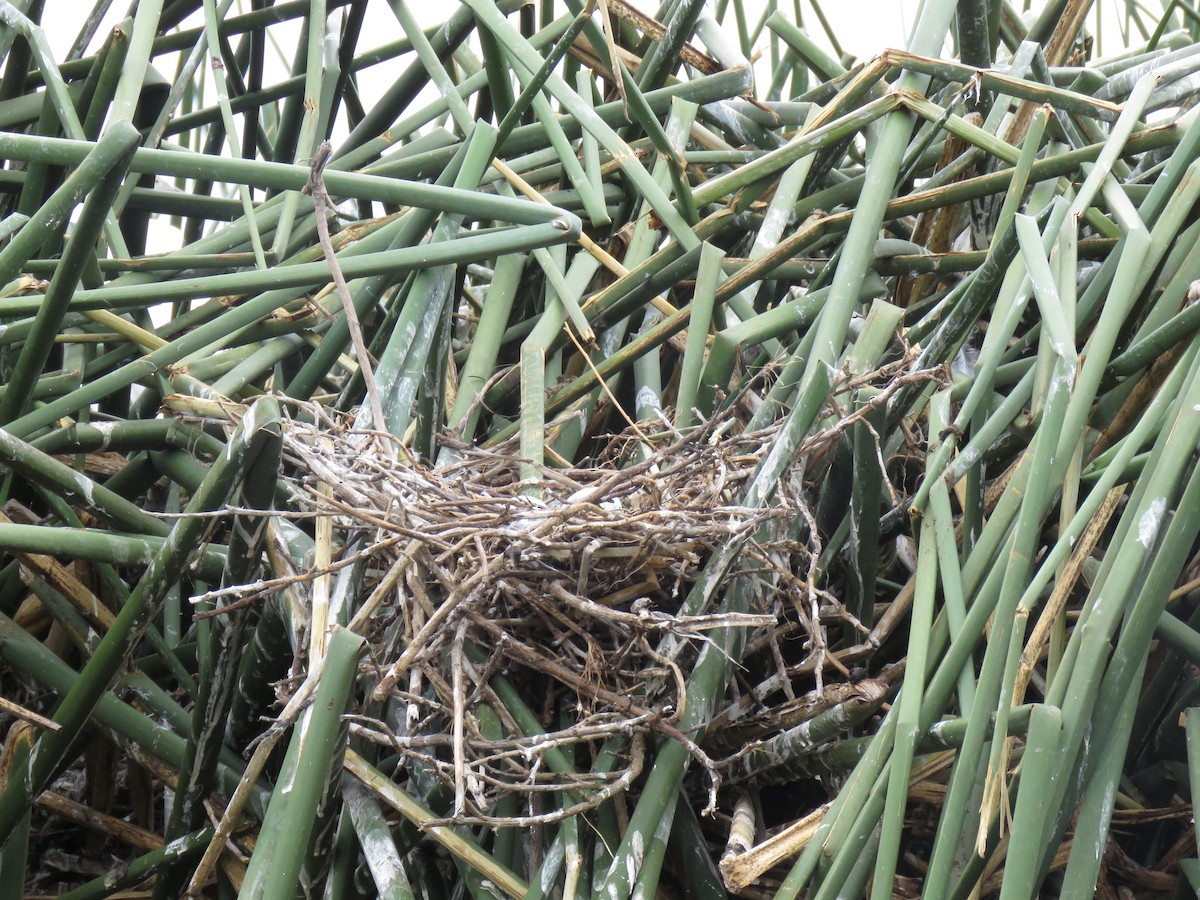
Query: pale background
x,y
864,28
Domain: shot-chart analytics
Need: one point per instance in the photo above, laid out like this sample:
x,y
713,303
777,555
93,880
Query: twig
x,y
28,715
316,189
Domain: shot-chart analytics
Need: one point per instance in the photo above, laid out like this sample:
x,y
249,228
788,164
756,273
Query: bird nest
x,y
524,630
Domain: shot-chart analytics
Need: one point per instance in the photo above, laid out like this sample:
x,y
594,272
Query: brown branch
x,y
316,189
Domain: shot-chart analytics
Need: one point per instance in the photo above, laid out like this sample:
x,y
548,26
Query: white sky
x,y
864,28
